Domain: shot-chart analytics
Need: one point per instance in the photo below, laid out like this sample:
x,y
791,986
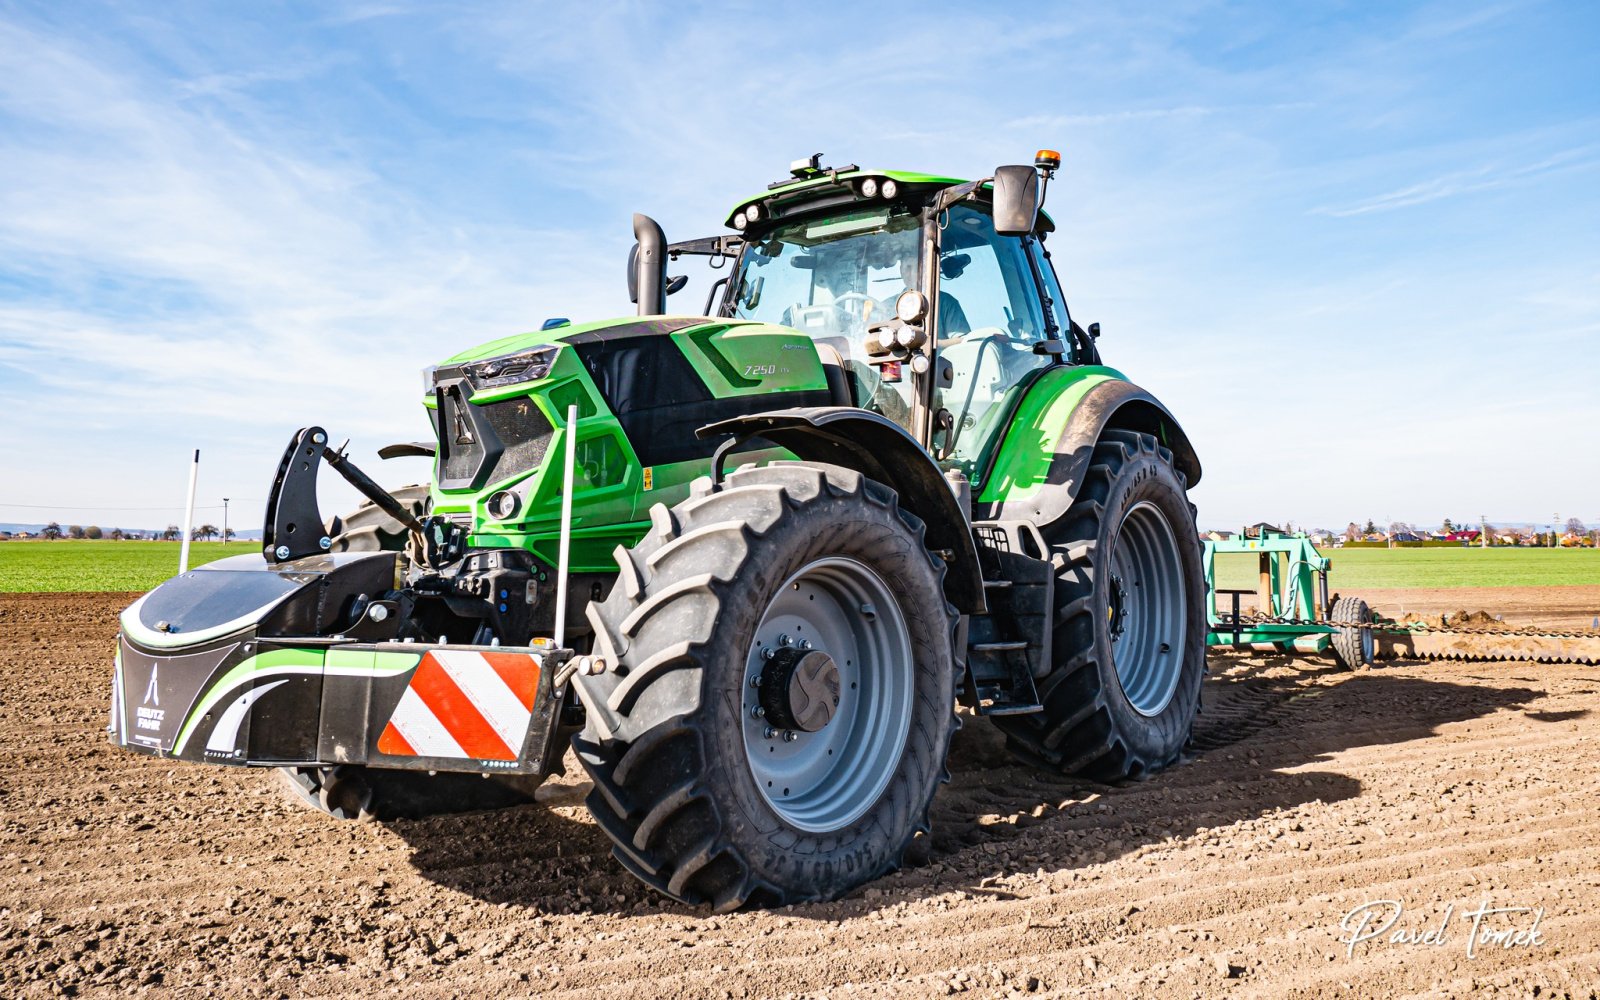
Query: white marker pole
x,y
566,525
188,514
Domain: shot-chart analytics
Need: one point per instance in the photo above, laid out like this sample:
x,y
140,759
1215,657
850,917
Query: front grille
x,y
479,445
524,434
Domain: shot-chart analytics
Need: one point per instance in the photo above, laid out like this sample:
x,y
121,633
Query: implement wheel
x,y
778,699
1352,644
1128,648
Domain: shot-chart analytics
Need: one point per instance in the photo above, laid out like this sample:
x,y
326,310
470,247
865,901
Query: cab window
x,y
989,320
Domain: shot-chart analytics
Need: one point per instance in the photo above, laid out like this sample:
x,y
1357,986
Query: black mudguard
x,y
880,449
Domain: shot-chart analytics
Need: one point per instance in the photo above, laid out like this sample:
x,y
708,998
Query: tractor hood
x,y
730,357
642,386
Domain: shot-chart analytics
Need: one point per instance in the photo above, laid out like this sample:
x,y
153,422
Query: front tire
x,y
349,791
370,528
1128,650
710,621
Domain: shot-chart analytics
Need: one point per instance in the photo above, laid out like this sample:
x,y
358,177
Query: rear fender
x,y
1041,463
879,449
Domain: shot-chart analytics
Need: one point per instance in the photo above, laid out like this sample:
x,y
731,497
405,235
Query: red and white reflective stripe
x,y
464,704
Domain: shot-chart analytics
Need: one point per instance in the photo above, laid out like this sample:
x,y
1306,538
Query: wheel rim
x,y
822,781
1147,609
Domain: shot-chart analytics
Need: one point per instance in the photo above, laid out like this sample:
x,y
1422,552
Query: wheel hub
x,y
1117,608
799,689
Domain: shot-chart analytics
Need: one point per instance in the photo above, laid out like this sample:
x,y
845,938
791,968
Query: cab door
x,y
989,320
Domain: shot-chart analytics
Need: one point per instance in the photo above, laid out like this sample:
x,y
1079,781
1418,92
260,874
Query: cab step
x,y
1009,646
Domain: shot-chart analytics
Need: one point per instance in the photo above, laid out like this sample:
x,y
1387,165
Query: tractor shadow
x,y
546,858
1262,716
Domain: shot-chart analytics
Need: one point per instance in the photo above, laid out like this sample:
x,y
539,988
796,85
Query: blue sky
x,y
1355,247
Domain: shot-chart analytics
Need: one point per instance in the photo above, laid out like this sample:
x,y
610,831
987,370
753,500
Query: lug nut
x,y
789,736
755,680
758,712
767,653
805,643
784,640
770,732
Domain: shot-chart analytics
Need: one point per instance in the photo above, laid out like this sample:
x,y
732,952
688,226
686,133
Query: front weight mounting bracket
x,y
294,527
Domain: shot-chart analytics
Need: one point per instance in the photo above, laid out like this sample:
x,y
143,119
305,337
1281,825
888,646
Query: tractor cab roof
x,y
825,188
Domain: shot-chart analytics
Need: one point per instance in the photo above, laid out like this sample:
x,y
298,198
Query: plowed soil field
x,y
1442,788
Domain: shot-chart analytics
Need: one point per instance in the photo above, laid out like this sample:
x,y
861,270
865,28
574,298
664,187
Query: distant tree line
x,y
94,532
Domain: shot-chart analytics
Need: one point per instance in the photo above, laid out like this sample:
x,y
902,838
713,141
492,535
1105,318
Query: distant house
x,y
23,534
1216,536
5,536
1405,536
1255,530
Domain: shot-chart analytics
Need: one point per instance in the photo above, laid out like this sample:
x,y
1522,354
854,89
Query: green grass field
x,y
30,567
33,567
1355,570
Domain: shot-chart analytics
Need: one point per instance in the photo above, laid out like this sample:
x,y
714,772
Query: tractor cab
x,y
921,308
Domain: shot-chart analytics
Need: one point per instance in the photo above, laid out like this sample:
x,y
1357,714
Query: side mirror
x,y
1016,200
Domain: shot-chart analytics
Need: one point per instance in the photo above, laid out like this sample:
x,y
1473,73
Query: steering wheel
x,y
852,309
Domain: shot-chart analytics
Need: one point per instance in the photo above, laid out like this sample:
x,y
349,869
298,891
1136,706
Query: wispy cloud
x,y
1485,178
218,227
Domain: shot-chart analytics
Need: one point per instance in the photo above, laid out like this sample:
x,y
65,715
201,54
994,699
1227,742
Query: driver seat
x,y
833,369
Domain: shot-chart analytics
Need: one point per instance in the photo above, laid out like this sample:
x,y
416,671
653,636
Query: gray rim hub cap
x,y
1147,614
828,695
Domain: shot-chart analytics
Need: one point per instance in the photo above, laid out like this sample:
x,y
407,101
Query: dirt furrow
x,y
1310,791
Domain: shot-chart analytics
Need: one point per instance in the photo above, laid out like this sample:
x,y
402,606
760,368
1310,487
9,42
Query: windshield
x,y
832,276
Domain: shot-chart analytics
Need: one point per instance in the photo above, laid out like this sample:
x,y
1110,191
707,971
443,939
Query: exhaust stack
x,y
647,277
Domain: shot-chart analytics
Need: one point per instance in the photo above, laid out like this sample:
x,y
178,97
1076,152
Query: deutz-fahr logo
x,y
149,715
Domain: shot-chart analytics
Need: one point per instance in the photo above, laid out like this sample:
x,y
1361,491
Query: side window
x,y
987,281
989,320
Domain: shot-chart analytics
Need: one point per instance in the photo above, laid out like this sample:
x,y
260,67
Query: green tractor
x,y
745,563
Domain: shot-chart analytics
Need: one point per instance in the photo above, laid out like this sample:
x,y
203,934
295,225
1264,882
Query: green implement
x,y
1293,611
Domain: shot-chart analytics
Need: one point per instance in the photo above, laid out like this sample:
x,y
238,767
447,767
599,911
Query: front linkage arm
x,y
294,525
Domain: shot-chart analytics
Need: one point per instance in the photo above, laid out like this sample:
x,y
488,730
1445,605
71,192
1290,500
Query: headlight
x,y
890,189
524,366
752,212
739,221
911,306
869,188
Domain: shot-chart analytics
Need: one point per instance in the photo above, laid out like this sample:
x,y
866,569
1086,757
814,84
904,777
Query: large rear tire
x,y
1128,648
804,593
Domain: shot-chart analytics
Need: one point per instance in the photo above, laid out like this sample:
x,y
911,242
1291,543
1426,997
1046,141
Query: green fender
x,y
1046,451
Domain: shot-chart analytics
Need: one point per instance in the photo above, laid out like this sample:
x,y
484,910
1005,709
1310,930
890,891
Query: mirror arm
x,y
959,192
